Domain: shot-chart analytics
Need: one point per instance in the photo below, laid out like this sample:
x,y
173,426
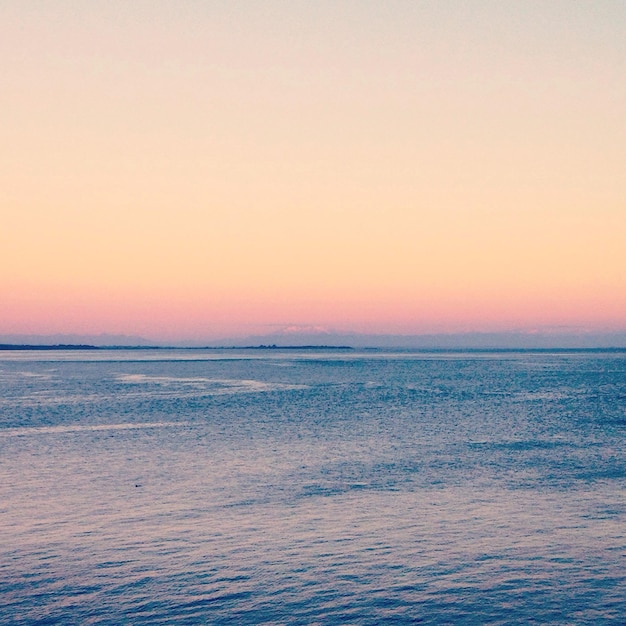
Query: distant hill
x,y
455,341
461,341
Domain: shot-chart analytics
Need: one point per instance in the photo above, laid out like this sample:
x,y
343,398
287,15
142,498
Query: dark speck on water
x,y
312,487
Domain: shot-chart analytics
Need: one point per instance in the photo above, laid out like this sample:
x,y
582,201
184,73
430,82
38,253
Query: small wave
x,y
208,385
43,430
12,377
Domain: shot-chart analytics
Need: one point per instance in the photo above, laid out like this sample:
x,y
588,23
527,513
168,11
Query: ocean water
x,y
312,487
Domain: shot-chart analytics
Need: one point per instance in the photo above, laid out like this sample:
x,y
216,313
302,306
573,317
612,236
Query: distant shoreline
x,y
442,350
12,346
9,346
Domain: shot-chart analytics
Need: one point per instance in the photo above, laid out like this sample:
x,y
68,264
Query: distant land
x,y
60,346
63,346
462,341
456,341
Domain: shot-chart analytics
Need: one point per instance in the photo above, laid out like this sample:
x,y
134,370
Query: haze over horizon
x,y
194,170
521,340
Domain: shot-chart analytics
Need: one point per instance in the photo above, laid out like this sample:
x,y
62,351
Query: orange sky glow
x,y
210,169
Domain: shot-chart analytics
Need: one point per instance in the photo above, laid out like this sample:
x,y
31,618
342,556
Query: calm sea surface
x,y
193,487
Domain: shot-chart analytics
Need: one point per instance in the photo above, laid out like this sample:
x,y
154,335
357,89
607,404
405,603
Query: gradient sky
x,y
197,169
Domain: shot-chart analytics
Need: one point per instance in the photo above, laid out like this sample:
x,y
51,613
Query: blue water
x,y
192,487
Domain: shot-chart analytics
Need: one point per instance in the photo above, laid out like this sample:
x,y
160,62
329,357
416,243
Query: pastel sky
x,y
199,169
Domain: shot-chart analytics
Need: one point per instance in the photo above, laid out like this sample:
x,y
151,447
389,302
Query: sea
x,y
312,486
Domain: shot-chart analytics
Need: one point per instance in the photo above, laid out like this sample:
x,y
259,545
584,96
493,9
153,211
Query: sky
x,y
199,169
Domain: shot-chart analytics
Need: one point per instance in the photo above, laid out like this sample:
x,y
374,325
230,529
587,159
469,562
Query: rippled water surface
x,y
194,487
